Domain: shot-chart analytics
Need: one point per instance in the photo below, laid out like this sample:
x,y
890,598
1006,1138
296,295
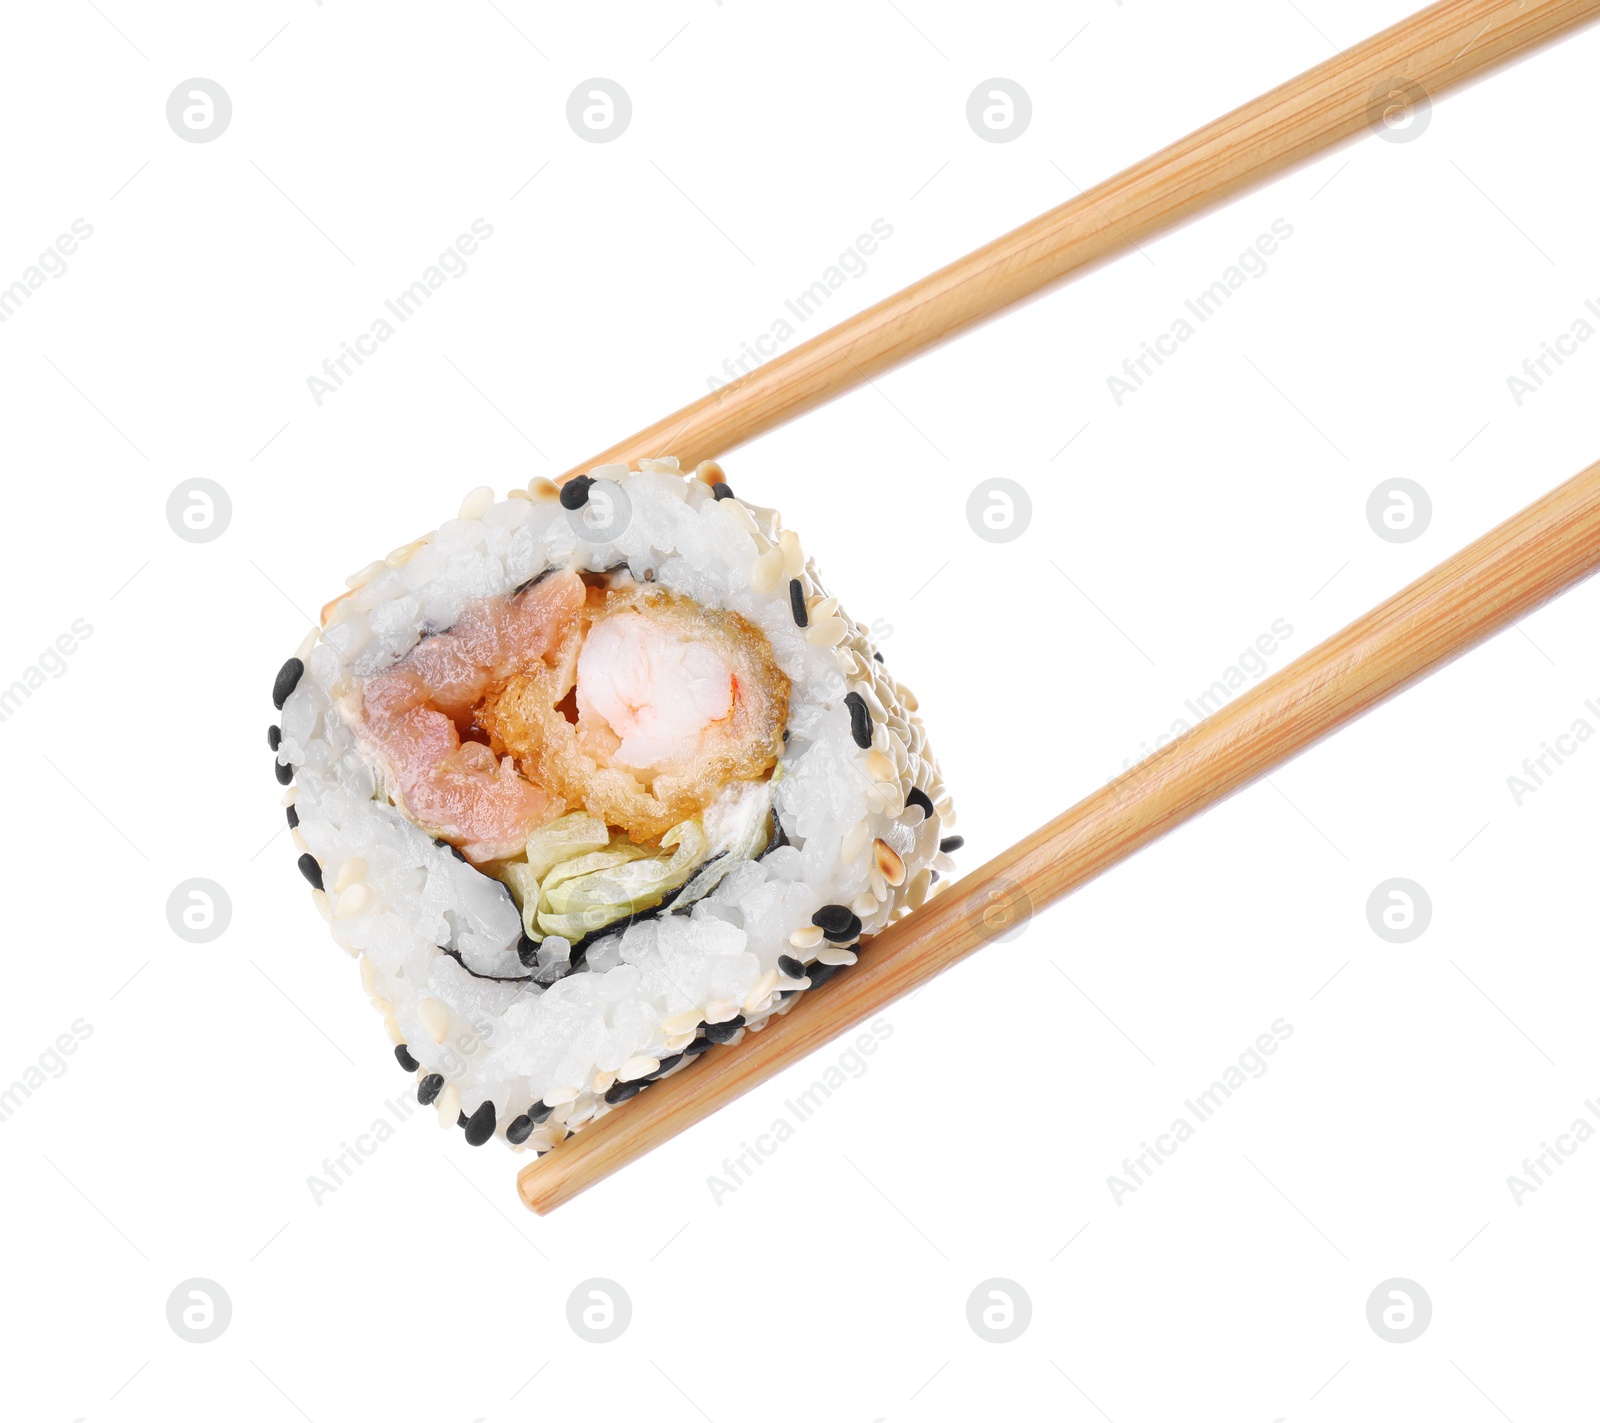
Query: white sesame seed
x,y
864,904
352,902
835,956
880,767
397,556
685,1022
636,1067
351,872
762,992
603,1082
392,1028
794,559
736,511
519,494
320,900
477,503
435,1018
766,572
917,891
806,938
542,488
898,749
854,842
560,1097
888,863
448,1105
369,975
721,1009
363,576
826,632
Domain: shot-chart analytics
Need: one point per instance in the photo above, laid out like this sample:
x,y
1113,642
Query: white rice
x,y
397,899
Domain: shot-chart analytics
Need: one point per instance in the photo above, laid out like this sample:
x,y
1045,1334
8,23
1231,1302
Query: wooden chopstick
x,y
1426,54
1534,555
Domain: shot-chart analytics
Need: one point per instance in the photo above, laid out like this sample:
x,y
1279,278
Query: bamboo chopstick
x,y
1534,555
1430,52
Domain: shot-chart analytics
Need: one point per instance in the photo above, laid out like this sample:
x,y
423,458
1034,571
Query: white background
x,y
1229,492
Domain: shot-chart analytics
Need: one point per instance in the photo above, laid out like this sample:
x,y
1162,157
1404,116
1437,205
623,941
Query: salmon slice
x,y
415,714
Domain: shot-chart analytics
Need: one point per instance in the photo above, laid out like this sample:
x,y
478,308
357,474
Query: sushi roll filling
x,y
601,746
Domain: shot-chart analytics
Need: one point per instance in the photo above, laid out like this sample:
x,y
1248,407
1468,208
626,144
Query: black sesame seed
x,y
575,492
820,973
698,1046
623,1092
860,719
832,918
286,681
274,736
951,843
527,951
919,797
797,603
666,1064
791,966
723,1032
838,924
877,657
293,816
539,1112
480,1125
721,491
461,1119
429,1088
786,736
311,870
933,876
405,1059
519,1129
283,771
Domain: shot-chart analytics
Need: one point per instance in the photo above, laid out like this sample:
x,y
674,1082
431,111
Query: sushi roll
x,y
595,777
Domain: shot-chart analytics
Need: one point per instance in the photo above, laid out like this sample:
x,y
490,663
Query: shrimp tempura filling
x,y
656,693
671,702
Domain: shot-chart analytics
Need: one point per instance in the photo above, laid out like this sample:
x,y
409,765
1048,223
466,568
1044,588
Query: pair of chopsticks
x,y
1533,556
